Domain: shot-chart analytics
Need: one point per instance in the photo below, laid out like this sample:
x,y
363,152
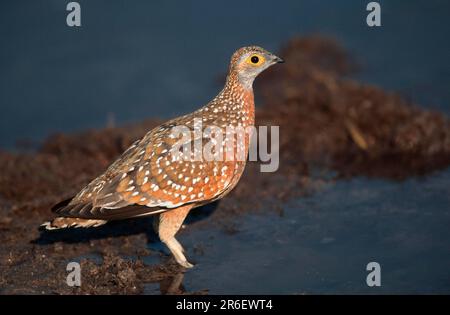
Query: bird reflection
x,y
172,285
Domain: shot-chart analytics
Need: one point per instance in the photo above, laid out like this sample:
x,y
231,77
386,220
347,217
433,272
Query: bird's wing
x,y
151,178
86,210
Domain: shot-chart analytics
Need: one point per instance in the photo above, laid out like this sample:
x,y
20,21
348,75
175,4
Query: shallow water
x,y
323,243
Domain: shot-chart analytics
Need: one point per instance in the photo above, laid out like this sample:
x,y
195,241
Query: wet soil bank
x,y
331,127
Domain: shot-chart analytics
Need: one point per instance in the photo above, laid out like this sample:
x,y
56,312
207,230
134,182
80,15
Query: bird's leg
x,y
167,225
174,247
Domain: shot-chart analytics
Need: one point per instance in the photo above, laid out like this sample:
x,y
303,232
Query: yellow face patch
x,y
255,60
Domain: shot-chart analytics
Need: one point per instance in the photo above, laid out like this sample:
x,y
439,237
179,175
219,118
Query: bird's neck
x,y
234,79
234,105
238,100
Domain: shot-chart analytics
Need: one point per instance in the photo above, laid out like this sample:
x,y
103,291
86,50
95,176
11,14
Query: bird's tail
x,y
62,223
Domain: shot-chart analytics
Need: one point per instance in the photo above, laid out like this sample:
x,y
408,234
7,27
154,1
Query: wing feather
x,y
148,179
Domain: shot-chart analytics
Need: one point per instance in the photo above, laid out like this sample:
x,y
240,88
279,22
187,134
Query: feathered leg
x,y
167,225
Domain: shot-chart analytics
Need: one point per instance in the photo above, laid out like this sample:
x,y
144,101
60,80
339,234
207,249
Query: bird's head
x,y
248,62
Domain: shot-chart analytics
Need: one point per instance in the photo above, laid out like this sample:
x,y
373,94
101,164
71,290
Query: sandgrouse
x,y
149,178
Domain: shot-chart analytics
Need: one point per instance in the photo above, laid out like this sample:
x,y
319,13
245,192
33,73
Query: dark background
x,y
135,59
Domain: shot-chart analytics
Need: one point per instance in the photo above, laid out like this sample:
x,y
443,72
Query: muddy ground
x,y
328,124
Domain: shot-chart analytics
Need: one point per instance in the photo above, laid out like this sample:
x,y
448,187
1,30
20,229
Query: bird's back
x,y
150,178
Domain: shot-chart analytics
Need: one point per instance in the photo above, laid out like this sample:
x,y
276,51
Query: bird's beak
x,y
277,59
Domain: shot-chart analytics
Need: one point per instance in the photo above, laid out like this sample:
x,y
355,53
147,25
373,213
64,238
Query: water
x,y
164,58
323,243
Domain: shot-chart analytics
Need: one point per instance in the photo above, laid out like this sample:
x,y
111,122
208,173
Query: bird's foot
x,y
178,252
185,264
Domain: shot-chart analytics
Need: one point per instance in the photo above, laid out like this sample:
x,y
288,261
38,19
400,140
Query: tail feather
x,y
88,211
85,214
62,223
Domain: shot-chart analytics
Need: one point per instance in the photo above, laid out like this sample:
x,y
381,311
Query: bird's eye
x,y
255,60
